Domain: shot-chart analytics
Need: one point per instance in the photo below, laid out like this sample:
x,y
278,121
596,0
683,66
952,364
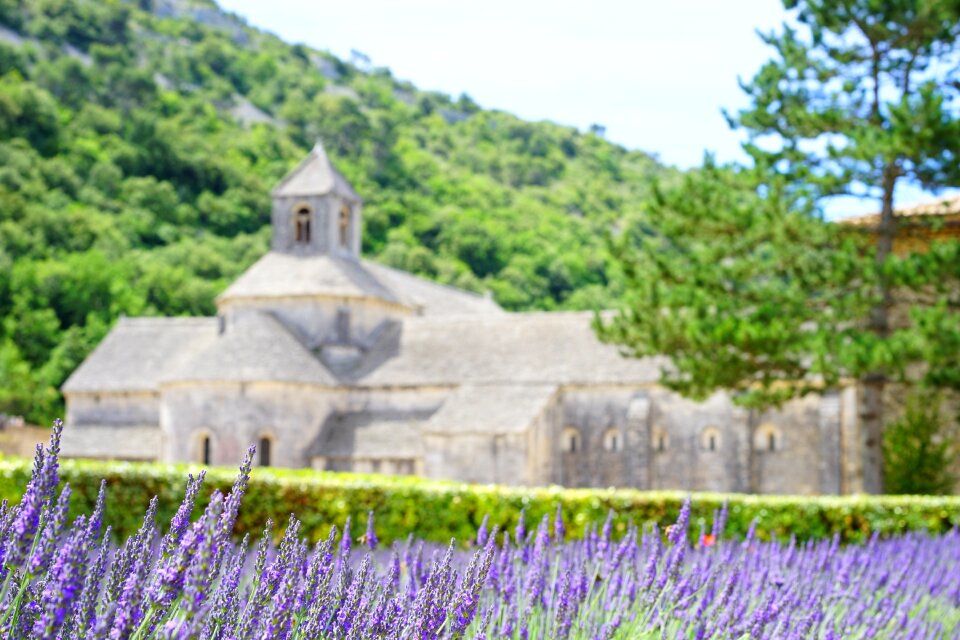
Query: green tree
x,y
917,450
736,277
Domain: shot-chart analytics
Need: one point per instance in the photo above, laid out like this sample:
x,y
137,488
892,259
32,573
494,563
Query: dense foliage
x,y
139,143
735,275
919,449
439,510
65,579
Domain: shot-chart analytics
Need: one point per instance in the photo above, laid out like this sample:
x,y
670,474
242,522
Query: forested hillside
x,y
139,143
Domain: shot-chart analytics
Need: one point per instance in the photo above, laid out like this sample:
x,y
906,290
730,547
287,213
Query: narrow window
x,y
710,439
302,225
570,440
612,440
660,440
205,445
767,438
264,451
344,226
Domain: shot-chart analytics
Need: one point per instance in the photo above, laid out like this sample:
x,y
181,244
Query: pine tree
x,y
735,276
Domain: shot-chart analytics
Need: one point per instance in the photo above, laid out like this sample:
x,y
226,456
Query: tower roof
x,y
315,176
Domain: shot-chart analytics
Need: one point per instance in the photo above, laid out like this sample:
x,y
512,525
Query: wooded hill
x,y
139,143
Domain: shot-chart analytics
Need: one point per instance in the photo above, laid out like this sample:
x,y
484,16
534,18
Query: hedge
x,y
440,510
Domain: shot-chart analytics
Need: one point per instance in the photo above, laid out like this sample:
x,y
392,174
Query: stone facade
x,y
326,360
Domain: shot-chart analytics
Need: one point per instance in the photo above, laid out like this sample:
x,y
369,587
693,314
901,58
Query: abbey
x,y
330,361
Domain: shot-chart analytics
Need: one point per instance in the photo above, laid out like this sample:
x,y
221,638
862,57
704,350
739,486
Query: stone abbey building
x,y
330,361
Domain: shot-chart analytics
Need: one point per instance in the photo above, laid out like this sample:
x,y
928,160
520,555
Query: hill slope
x,y
139,142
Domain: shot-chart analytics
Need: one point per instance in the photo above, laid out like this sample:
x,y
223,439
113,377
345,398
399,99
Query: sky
x,y
655,74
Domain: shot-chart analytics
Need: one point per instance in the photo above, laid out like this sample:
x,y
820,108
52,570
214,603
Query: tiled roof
x,y
938,207
280,275
513,348
493,408
254,347
315,176
139,352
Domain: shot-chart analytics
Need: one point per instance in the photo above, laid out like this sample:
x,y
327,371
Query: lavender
x,y
66,581
370,537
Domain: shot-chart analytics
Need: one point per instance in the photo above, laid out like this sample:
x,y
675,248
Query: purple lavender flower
x,y
520,533
370,537
482,532
559,531
64,582
44,547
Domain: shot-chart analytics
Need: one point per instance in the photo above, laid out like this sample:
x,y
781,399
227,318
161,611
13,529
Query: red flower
x,y
708,540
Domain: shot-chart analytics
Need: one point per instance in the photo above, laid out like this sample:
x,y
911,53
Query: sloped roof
x,y
432,298
139,352
282,274
377,434
493,408
516,348
254,347
315,176
939,207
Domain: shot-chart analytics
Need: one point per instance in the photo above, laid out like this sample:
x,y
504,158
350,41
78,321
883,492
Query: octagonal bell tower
x,y
316,211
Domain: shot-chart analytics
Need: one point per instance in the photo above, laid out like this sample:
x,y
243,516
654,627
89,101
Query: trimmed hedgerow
x,y
440,510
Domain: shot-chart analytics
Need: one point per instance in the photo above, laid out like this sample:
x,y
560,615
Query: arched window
x,y
344,226
767,437
205,449
570,440
661,442
264,448
613,440
710,439
301,221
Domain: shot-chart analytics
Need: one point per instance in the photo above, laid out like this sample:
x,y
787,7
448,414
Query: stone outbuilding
x,y
327,360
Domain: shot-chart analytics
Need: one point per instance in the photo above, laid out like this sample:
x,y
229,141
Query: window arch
x,y
768,438
570,440
660,440
301,224
344,226
613,440
265,450
205,448
710,439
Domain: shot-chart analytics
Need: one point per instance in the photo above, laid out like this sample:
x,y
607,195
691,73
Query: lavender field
x,y
188,579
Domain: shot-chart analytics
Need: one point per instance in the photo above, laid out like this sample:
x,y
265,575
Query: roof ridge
x,y
441,285
166,319
946,205
297,338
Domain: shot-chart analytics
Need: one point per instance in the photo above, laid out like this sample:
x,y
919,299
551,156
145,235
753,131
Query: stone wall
x,y
124,408
113,425
22,440
516,457
324,225
140,443
611,440
652,438
235,415
804,457
499,458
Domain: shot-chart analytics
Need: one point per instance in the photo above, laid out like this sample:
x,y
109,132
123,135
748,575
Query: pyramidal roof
x,y
315,176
